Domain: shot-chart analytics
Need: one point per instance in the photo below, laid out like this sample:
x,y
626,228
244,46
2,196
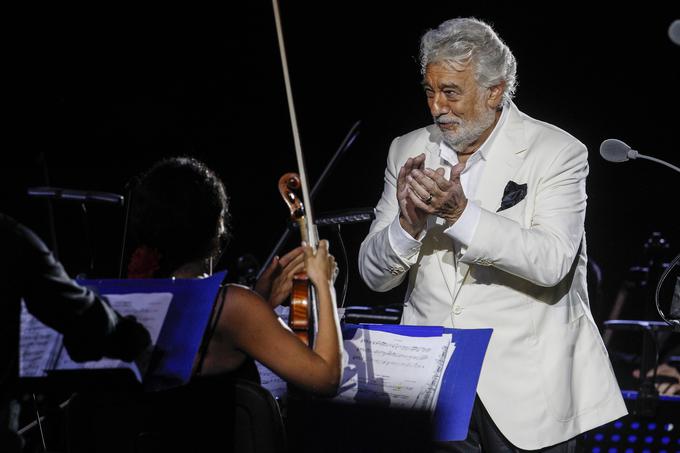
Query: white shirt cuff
x,y
464,229
404,245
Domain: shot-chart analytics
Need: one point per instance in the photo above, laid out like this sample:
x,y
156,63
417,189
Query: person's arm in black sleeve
x,y
91,328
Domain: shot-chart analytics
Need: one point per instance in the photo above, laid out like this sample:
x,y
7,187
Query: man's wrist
x,y
410,229
455,214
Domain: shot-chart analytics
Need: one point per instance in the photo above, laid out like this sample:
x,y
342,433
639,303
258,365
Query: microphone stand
x,y
50,208
88,241
82,197
344,145
658,161
614,150
128,202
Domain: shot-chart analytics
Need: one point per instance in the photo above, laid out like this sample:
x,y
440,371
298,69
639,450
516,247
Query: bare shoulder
x,y
245,309
235,293
239,299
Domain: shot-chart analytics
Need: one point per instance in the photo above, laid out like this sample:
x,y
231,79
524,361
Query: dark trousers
x,y
484,436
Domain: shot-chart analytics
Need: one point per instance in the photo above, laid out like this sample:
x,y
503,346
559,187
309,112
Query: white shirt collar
x,y
448,154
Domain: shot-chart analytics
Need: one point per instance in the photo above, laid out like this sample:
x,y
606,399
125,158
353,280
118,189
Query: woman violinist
x,y
179,218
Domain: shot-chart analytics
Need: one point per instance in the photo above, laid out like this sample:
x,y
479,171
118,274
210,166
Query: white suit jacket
x,y
546,376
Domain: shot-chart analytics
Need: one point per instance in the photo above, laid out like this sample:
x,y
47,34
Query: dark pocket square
x,y
513,194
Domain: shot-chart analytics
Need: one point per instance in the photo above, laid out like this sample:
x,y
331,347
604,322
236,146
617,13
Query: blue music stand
x,y
459,384
183,329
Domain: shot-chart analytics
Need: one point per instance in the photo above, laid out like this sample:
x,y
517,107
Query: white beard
x,y
467,131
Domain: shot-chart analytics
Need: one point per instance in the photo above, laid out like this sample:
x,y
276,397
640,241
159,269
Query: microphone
x,y
57,193
674,32
615,150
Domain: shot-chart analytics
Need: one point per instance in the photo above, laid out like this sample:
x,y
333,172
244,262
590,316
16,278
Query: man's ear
x,y
495,95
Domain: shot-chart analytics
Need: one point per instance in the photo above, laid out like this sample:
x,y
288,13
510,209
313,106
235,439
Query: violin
x,y
302,317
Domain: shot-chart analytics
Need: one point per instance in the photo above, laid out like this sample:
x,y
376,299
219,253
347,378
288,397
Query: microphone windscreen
x,y
674,32
614,150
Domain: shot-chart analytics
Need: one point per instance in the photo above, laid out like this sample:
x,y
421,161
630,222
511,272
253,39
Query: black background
x,y
95,96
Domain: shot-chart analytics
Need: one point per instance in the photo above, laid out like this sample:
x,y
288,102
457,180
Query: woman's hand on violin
x,y
320,265
276,281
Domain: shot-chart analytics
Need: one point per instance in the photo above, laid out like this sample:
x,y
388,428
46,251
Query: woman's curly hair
x,y
179,214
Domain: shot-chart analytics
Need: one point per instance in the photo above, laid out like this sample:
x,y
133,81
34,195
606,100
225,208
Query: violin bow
x,y
312,234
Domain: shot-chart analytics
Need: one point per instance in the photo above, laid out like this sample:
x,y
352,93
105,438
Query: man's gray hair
x,y
467,40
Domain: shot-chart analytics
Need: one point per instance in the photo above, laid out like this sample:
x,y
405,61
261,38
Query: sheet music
x,y
38,345
440,374
403,371
149,309
382,368
272,382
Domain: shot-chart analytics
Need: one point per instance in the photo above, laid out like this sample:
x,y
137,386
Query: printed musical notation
x,y
41,348
382,368
39,345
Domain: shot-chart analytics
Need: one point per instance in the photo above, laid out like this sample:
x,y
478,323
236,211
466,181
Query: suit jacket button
x,y
395,270
457,310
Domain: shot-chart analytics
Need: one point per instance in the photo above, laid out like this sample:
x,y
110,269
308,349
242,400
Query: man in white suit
x,y
484,211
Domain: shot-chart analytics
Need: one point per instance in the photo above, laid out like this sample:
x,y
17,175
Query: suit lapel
x,y
504,157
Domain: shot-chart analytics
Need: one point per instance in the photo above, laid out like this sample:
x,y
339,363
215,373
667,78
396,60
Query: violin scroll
x,y
289,185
